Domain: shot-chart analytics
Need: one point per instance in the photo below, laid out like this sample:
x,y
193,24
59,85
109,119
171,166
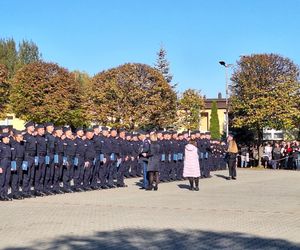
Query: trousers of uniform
x,y
121,172
95,173
40,172
86,173
179,170
67,172
103,172
16,177
173,166
57,173
133,167
232,165
5,176
49,177
78,172
112,171
28,175
144,165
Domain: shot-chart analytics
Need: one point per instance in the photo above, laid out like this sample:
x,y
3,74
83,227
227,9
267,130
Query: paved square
x,y
261,210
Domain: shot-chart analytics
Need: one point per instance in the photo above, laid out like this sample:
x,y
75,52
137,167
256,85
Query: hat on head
x,y
39,126
89,130
104,129
78,129
142,132
128,134
4,135
113,129
122,130
48,124
18,132
29,124
65,129
95,126
207,133
58,128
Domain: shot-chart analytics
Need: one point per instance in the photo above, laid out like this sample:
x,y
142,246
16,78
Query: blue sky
x,y
92,36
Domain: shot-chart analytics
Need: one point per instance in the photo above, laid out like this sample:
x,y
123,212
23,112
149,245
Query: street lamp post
x,y
226,79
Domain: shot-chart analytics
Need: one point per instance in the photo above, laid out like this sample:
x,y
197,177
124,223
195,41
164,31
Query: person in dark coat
x,y
153,163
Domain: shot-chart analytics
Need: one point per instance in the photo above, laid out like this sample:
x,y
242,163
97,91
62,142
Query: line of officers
x,y
47,160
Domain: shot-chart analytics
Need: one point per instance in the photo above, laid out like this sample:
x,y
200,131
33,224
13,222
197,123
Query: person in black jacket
x,y
144,151
154,162
17,146
5,167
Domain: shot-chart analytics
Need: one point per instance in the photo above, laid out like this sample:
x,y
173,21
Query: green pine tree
x,y
214,122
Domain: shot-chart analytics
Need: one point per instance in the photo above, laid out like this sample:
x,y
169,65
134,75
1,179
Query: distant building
x,y
206,113
12,122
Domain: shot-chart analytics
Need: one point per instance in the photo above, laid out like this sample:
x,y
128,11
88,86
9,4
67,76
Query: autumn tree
x,y
265,93
190,105
4,90
214,122
44,92
132,96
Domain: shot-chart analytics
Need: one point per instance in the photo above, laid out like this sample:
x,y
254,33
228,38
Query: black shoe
x,y
121,185
111,186
233,178
155,188
104,187
38,194
149,188
87,189
67,190
94,188
17,197
196,188
192,188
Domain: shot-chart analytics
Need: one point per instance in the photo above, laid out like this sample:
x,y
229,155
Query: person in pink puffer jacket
x,y
191,168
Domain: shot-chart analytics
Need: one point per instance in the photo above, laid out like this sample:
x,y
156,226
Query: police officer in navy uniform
x,y
70,148
114,157
104,154
143,156
18,149
78,160
123,158
98,158
49,159
58,159
28,164
135,166
129,151
40,163
5,167
89,159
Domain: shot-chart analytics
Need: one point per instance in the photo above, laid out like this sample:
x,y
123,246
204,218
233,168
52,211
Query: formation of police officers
x,y
47,160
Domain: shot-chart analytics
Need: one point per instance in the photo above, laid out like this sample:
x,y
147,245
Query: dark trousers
x,y
67,173
57,174
103,173
16,177
232,166
5,177
28,175
49,177
173,166
112,171
95,174
78,172
87,171
121,173
133,167
179,170
144,165
40,174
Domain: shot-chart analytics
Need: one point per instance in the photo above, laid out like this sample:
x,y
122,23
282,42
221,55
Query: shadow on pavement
x,y
184,186
163,239
222,176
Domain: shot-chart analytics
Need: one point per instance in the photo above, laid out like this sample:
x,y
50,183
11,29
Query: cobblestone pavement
x,y
260,210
